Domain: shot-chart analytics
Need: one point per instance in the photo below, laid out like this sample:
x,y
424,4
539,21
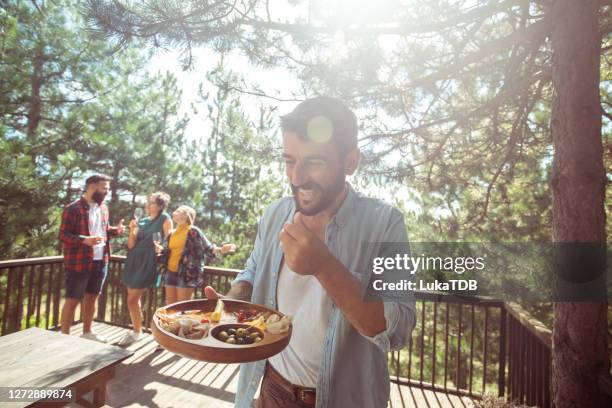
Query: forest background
x,y
468,152
454,117
455,99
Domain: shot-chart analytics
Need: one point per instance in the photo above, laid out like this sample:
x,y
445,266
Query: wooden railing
x,y
458,346
463,346
30,293
529,357
112,306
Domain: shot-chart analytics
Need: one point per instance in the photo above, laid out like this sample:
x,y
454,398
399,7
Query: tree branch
x,y
114,18
260,94
606,114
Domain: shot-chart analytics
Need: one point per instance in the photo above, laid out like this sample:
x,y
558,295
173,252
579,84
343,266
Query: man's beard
x,y
326,196
98,197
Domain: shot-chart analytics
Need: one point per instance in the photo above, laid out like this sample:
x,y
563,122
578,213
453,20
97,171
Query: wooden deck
x,y
153,378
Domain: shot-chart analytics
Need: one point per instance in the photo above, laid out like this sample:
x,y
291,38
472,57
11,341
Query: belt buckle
x,y
303,395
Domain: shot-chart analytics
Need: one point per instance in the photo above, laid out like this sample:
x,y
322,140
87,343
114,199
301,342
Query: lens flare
x,y
320,129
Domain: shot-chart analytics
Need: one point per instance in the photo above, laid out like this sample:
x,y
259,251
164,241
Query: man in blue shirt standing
x,y
313,260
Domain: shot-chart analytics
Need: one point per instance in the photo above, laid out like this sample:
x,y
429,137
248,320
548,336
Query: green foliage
x,y
237,167
69,106
48,69
454,96
456,110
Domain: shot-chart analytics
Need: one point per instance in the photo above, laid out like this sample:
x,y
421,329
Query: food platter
x,y
201,330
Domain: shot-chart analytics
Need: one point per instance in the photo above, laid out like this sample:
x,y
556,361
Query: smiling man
x,y
312,260
85,233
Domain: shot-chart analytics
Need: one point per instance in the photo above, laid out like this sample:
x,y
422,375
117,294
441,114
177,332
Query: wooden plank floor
x,y
153,379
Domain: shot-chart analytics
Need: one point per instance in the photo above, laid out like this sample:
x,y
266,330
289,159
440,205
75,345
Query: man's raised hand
x,y
304,252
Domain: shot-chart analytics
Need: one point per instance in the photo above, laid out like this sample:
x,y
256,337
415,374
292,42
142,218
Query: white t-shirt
x,y
304,298
96,229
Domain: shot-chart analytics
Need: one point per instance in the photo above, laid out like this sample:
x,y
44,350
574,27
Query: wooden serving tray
x,y
213,350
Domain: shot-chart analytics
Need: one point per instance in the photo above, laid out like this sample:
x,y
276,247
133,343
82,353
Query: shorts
x,y
87,281
173,279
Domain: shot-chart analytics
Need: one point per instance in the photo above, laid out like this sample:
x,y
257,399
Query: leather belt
x,y
306,395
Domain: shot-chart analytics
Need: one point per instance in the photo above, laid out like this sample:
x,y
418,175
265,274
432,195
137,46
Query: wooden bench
x,y
42,358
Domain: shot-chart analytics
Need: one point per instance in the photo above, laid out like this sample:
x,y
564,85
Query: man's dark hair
x,y
96,178
343,120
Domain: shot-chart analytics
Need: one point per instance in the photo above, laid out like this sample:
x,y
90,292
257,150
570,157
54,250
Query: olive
x,y
231,340
231,331
248,340
222,335
257,339
240,340
241,332
254,335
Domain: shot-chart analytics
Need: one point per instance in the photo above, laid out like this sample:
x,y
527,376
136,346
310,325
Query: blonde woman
x,y
185,253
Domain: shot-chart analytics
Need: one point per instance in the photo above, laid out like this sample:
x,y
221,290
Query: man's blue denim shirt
x,y
353,369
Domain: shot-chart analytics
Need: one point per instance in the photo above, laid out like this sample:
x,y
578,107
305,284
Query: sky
x,y
278,82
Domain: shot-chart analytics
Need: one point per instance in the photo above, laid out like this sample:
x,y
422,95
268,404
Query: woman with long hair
x,y
185,253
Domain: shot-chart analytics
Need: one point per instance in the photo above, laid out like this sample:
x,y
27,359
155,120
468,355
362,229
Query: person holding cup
x,y
184,254
140,270
85,232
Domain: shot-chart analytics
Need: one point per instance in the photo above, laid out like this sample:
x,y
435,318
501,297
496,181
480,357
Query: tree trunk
x,y
35,103
231,209
114,190
213,151
580,352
